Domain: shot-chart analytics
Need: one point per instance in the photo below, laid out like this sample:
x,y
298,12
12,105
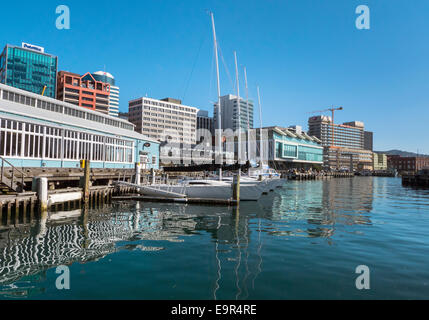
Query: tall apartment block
x,y
106,77
83,91
204,121
344,145
368,140
159,119
29,68
231,108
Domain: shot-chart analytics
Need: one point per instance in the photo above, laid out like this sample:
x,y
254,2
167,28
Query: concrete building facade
x,y
344,145
83,91
166,119
106,77
379,161
204,121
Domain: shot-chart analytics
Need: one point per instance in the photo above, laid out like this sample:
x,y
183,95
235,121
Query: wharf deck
x,y
176,200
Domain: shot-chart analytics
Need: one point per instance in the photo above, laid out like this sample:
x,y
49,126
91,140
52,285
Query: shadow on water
x,y
238,236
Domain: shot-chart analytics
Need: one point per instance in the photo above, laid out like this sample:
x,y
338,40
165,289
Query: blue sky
x,y
305,55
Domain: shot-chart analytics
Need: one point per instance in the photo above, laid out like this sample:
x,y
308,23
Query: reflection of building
x,y
380,161
83,91
52,243
345,145
230,112
412,164
29,68
292,148
164,119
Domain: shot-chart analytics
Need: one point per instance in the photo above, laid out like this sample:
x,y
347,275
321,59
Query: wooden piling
x,y
236,188
24,211
86,180
9,212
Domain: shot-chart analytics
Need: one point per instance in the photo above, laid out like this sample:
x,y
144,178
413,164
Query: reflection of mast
x,y
237,283
259,254
219,268
247,259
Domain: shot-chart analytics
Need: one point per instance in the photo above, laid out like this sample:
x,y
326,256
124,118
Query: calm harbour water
x,y
303,241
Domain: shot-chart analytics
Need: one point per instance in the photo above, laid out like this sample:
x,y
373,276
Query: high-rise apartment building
x,y
235,113
368,140
83,91
106,77
348,135
204,121
344,144
29,68
164,119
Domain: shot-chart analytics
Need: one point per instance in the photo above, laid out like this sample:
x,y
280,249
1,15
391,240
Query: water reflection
x,y
311,209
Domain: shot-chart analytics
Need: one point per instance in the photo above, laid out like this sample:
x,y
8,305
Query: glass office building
x,y
29,70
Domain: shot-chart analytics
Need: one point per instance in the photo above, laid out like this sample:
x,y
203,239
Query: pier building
x,y
38,131
291,148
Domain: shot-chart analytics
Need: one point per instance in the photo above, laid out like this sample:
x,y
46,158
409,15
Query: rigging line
x,y
202,41
226,67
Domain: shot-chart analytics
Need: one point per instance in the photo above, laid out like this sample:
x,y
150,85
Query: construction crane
x,y
332,110
43,90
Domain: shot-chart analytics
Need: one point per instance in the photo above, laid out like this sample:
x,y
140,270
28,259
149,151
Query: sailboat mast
x,y
239,111
248,117
260,122
219,109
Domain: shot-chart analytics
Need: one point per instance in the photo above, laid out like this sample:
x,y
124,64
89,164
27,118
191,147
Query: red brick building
x,y
411,164
83,91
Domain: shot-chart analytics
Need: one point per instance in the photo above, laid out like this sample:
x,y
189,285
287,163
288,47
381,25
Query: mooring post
x,y
42,193
16,211
236,188
153,175
138,174
87,173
